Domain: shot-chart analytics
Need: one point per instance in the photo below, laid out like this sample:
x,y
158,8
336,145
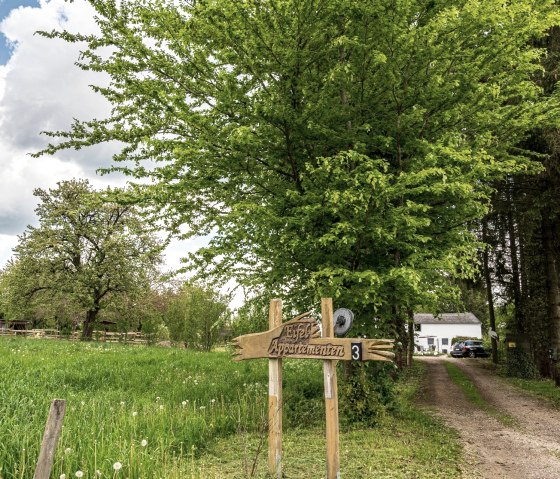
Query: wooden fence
x,y
104,336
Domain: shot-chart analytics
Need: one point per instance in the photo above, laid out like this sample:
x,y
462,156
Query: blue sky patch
x,y
5,7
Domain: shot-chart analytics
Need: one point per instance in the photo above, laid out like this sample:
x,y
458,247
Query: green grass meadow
x,y
172,413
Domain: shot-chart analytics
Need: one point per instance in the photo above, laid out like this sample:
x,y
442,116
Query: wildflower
x,y
144,443
67,450
134,413
122,403
213,401
161,406
184,403
158,398
98,473
63,476
117,466
202,407
79,474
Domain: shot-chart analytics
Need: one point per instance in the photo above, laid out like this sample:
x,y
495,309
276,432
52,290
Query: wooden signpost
x,y
301,338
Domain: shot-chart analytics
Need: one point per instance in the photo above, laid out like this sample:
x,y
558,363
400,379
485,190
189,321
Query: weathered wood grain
x,y
50,439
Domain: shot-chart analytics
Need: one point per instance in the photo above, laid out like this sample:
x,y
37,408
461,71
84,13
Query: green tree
x,y
338,148
195,316
85,253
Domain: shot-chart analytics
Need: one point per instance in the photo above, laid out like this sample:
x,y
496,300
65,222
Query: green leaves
x,y
327,147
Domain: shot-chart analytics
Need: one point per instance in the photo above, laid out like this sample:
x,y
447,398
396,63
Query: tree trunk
x,y
401,336
553,289
489,294
410,351
89,323
516,283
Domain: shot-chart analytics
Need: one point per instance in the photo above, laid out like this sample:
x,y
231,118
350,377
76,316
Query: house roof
x,y
446,318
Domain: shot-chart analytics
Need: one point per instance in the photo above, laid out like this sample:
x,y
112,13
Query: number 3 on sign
x,y
356,349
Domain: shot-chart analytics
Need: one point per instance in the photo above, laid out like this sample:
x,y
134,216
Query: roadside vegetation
x,y
542,388
175,413
473,394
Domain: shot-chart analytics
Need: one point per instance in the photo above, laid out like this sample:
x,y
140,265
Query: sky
x,y
41,89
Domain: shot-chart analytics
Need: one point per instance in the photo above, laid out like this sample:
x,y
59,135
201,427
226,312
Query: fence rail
x,y
104,336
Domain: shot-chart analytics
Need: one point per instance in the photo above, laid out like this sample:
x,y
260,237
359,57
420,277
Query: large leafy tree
x,y
86,253
333,147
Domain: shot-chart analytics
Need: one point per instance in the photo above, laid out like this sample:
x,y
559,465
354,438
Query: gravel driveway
x,y
530,448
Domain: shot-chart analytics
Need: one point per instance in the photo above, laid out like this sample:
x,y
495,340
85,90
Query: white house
x,y
436,333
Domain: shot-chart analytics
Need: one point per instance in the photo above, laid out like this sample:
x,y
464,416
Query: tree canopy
x,y
85,254
336,148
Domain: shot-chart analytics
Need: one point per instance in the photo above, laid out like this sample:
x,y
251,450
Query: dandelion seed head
x,y
79,474
134,413
117,466
144,443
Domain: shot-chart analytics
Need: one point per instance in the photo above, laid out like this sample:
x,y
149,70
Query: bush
x,y
520,364
366,393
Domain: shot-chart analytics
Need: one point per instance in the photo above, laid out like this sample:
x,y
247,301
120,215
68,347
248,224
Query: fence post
x,y
50,439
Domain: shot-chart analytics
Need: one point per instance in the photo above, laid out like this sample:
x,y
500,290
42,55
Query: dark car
x,y
469,348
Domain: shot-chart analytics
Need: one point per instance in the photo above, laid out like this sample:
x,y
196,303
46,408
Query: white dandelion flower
x,y
62,476
144,442
134,413
117,466
79,474
67,450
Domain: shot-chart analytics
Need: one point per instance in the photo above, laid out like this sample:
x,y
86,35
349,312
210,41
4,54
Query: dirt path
x,y
528,449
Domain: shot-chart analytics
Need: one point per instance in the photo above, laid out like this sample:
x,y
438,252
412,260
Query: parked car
x,y
469,348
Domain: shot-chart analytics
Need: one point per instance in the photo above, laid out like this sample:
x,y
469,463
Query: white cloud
x,y
41,89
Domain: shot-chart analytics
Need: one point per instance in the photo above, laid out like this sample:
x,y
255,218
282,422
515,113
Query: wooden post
x,y
275,399
50,439
331,395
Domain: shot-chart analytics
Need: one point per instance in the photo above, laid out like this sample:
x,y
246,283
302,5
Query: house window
x,y
430,341
444,341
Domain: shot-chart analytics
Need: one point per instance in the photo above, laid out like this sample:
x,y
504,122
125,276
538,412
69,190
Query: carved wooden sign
x,y
301,338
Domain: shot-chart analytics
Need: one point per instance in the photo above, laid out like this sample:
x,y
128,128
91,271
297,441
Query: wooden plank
x,y
256,345
276,344
331,395
50,439
275,398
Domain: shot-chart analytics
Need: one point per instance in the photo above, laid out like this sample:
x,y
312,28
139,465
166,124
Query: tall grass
x,y
170,413
150,410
